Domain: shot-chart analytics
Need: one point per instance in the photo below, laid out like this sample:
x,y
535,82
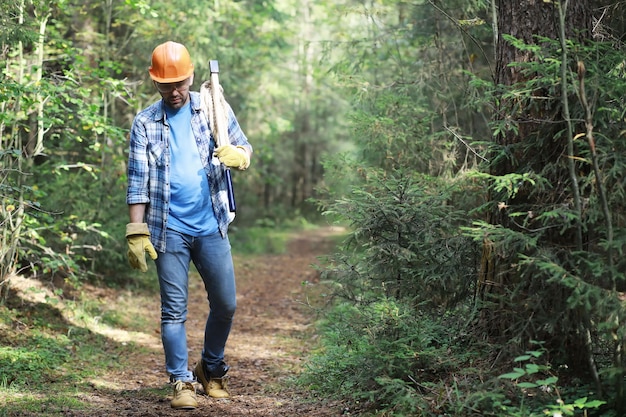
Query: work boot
x,y
213,382
184,396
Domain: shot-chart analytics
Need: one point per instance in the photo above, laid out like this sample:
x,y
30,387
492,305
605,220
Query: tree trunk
x,y
531,141
529,19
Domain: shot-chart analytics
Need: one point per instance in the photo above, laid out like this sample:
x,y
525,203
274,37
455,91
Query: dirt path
x,y
265,349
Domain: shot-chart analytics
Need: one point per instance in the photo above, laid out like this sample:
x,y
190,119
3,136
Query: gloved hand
x,y
233,156
138,237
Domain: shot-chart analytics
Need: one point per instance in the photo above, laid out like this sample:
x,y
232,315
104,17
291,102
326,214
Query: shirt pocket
x,y
156,154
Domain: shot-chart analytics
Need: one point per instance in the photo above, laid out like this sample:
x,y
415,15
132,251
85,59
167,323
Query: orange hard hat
x,y
170,63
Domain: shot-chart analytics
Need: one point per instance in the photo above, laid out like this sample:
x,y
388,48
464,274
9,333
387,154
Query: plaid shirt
x,y
149,165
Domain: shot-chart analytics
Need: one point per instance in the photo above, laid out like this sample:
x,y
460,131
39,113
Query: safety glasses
x,y
166,88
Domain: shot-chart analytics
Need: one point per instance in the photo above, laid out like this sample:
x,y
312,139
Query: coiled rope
x,y
208,107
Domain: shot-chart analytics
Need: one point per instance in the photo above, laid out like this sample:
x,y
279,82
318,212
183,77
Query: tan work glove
x,y
138,237
233,156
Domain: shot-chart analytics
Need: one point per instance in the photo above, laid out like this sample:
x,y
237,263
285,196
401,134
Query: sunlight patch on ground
x,y
13,395
34,291
271,348
103,384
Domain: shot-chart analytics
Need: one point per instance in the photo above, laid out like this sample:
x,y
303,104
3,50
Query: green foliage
x,y
43,352
375,353
402,265
64,346
405,242
418,82
536,381
404,207
25,364
386,127
268,235
64,196
259,239
534,279
569,288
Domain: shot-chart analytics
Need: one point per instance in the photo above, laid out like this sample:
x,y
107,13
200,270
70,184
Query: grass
x,y
22,403
259,240
53,349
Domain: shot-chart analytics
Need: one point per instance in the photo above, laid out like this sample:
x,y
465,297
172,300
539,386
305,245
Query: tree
x,y
22,126
56,138
527,129
549,269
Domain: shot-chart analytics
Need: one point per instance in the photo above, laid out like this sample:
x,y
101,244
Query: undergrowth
x,y
266,236
383,355
53,348
388,359
401,334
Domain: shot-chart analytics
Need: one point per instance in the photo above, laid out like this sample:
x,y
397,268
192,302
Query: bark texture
x,y
529,19
533,143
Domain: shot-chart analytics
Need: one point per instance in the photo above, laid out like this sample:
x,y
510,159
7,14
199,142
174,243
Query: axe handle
x,y
221,127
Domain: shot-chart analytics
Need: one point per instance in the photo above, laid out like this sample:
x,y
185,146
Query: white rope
x,y
208,107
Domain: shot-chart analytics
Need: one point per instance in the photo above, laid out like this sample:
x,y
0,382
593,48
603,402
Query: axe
x,y
221,126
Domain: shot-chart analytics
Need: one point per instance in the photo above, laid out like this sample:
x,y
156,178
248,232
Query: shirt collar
x,y
194,98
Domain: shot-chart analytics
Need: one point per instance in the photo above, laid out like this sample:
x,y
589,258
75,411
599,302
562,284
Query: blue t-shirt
x,y
190,211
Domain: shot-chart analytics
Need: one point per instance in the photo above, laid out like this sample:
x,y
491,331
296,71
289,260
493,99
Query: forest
x,y
473,150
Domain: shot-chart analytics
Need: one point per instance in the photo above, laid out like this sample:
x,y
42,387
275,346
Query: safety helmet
x,y
170,63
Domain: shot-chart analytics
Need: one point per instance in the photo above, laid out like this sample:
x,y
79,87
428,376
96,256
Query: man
x,y
178,207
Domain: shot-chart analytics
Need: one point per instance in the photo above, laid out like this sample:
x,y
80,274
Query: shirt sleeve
x,y
138,171
235,133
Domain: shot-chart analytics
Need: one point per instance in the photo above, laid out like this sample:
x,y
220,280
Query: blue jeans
x,y
212,258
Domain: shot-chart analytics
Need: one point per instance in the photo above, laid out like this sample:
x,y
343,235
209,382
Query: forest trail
x,y
268,340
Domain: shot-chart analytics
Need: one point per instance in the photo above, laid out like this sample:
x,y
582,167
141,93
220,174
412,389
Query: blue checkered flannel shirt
x,y
149,165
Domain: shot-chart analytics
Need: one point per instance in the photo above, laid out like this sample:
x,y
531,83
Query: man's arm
x,y
136,212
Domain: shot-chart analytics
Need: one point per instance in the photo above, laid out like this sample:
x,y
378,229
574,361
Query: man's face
x,y
175,95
